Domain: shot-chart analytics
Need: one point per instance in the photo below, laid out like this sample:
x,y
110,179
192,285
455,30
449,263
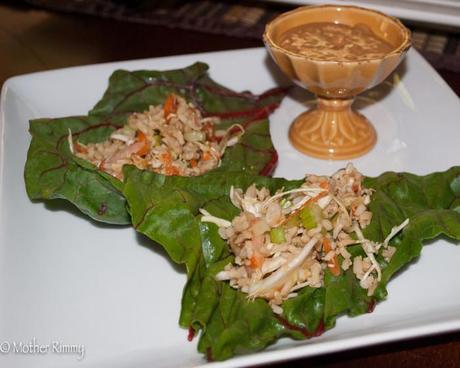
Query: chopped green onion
x,y
277,235
285,203
195,136
156,140
311,215
293,221
128,131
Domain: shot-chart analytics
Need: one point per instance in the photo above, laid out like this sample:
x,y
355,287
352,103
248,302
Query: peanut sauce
x,y
335,42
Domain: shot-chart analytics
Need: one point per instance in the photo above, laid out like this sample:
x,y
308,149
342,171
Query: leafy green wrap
x,y
51,171
166,210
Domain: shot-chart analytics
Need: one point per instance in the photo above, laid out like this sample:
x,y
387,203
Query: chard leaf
x,y
433,215
51,171
165,208
229,323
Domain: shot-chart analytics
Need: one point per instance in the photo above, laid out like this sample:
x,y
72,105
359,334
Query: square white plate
x,y
68,281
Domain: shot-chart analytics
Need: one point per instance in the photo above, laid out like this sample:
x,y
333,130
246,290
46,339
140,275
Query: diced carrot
x,y
166,158
333,264
353,208
256,260
171,170
170,106
355,187
193,163
206,156
208,128
324,184
79,148
319,196
297,211
326,245
145,148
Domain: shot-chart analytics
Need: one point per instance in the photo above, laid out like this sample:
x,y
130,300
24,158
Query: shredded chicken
x,y
171,139
286,241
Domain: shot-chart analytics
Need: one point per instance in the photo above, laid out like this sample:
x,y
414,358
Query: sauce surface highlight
x,y
338,42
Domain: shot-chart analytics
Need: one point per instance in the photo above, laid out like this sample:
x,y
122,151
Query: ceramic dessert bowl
x,y
333,130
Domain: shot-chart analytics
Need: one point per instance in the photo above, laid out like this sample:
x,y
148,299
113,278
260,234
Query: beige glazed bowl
x,y
333,130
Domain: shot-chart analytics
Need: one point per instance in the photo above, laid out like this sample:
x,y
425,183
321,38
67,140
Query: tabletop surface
x,y
33,39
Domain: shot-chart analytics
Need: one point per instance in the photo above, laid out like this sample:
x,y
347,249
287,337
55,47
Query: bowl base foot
x,y
332,131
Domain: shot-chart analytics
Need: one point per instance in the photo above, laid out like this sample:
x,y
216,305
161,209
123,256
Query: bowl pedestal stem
x,y
332,131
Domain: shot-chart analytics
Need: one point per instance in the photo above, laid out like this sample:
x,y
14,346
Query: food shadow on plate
x,y
382,90
363,100
58,205
297,93
144,241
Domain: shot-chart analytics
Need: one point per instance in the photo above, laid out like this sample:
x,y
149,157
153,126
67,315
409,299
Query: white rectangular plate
x,y
67,280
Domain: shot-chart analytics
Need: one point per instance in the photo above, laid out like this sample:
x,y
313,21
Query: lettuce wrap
x,y
166,209
52,171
